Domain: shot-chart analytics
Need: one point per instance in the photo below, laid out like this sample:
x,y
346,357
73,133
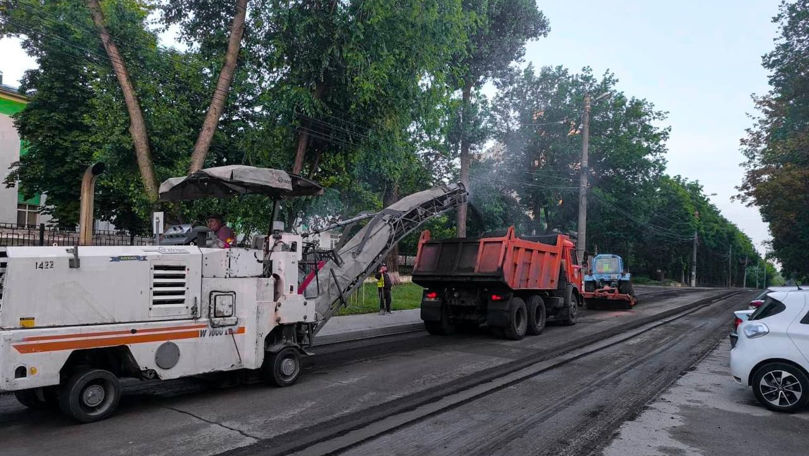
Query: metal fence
x,y
13,235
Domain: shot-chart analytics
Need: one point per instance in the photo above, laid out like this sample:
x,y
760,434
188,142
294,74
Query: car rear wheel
x,y
781,387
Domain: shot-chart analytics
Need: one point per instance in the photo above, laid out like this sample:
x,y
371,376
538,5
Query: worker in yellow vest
x,y
383,286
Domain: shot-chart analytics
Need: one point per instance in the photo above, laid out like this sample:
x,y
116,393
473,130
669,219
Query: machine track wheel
x,y
536,315
37,398
440,328
626,288
572,310
282,368
517,321
90,395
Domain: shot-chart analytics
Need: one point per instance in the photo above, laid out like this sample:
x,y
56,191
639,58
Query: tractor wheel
x,y
90,395
518,320
625,287
536,315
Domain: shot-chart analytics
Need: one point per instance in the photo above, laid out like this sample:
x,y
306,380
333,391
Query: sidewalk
x,y
706,413
364,326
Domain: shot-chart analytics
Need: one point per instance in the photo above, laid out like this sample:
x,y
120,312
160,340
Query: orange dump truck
x,y
511,284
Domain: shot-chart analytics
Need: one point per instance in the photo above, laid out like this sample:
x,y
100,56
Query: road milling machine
x,y
75,320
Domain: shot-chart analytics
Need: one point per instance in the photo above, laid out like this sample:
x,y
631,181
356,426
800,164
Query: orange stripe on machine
x,y
113,333
98,342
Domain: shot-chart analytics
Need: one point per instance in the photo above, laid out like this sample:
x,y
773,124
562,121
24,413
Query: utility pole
x,y
744,281
765,269
694,256
730,266
585,144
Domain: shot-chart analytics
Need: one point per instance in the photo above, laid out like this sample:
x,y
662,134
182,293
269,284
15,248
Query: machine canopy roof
x,y
235,180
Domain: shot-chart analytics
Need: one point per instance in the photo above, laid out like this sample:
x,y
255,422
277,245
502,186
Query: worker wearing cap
x,y
225,236
383,286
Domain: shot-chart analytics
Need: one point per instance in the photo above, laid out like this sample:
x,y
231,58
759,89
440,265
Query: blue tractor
x,y
608,282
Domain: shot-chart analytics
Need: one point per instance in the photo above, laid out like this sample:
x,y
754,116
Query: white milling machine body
x,y
75,319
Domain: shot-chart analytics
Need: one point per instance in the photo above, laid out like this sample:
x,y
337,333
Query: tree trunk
x,y
137,126
392,260
220,95
303,135
462,209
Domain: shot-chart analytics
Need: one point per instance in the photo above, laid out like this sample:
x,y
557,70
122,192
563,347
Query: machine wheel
x,y
282,368
517,321
781,387
572,308
37,398
536,315
625,287
90,395
442,327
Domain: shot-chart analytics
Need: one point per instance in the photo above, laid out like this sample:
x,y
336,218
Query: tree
x,y
217,106
777,166
498,32
137,126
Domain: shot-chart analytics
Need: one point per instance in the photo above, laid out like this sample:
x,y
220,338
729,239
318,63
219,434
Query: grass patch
x,y
366,299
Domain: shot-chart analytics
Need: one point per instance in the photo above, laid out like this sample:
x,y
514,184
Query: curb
x,y
353,336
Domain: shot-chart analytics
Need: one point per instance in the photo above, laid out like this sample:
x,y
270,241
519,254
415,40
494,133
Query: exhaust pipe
x,y
86,205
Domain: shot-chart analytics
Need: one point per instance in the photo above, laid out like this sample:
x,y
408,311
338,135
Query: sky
x,y
697,60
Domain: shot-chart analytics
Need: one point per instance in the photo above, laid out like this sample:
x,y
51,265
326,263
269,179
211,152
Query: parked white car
x,y
772,351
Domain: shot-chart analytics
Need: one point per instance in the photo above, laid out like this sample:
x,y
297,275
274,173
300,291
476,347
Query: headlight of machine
x,y
753,330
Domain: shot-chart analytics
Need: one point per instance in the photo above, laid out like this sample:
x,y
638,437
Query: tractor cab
x,y
607,282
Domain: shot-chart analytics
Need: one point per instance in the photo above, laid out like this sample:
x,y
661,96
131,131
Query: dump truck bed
x,y
510,261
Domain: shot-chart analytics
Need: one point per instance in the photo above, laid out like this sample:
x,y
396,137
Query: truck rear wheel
x,y
90,395
442,327
282,368
536,315
518,320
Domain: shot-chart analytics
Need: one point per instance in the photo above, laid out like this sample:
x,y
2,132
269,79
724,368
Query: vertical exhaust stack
x,y
86,209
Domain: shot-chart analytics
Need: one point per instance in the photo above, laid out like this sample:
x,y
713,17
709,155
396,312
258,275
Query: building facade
x,y
14,209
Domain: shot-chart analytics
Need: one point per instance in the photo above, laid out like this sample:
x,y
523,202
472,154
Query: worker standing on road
x,y
383,286
226,237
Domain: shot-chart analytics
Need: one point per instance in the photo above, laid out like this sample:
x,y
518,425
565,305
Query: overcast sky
x,y
697,60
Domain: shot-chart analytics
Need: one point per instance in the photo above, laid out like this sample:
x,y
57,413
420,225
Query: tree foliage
x,y
777,146
376,99
531,178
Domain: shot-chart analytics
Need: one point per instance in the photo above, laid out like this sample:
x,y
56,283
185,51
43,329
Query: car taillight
x,y
497,297
736,322
756,304
431,295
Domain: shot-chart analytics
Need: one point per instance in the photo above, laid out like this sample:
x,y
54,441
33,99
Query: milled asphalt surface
x,y
570,409
707,413
193,417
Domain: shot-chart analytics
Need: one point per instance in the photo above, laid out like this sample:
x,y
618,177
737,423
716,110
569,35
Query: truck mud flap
x,y
431,310
497,315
